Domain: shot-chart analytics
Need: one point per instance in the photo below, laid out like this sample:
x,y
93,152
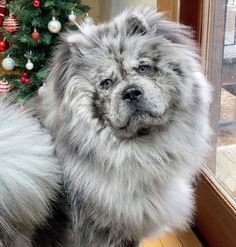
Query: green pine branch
x,y
21,42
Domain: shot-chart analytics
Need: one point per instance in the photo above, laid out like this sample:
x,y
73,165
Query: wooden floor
x,y
186,239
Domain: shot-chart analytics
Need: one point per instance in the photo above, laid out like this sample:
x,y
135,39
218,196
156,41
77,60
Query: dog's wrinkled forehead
x,y
127,24
111,39
120,34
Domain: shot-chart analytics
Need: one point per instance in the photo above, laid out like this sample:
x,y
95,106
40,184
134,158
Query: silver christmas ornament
x,y
8,63
88,20
72,16
54,26
29,65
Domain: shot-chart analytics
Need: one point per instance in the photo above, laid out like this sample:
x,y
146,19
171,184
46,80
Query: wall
x,y
103,10
114,7
96,8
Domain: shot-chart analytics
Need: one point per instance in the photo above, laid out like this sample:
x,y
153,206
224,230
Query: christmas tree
x,y
30,31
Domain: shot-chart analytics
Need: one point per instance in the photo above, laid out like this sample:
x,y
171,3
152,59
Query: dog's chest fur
x,y
128,197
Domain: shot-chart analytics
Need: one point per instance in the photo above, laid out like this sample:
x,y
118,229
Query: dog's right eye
x,y
106,84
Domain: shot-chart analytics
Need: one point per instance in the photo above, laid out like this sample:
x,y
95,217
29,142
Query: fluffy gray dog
x,y
29,177
127,105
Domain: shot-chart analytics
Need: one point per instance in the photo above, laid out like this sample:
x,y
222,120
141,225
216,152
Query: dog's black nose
x,y
132,94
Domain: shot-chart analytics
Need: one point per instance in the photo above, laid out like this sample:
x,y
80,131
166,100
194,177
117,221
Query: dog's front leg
x,y
91,233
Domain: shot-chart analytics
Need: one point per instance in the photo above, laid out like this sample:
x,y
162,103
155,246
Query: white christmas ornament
x,y
54,26
88,20
8,63
29,65
72,16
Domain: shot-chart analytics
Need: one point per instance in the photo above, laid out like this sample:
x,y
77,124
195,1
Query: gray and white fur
x,y
29,176
127,105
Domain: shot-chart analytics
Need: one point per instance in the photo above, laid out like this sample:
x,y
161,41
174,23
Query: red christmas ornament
x,y
4,86
35,35
24,77
27,81
11,24
36,3
2,10
4,45
24,74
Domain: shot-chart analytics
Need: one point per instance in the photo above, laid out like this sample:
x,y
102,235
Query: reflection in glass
x,y
226,151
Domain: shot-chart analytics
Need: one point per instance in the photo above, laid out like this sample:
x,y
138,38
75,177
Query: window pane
x,y
226,142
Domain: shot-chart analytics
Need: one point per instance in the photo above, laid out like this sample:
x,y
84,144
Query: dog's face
x,y
133,93
128,73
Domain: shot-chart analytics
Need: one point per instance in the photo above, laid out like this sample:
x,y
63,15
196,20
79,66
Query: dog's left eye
x,y
142,69
106,84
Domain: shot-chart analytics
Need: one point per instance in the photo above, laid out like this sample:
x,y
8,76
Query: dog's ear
x,y
73,42
136,25
62,61
156,24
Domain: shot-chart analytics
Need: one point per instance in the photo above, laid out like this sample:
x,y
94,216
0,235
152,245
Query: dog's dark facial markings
x,y
135,26
123,72
121,48
176,68
98,107
119,60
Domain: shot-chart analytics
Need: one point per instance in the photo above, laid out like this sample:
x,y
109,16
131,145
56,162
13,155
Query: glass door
x,y
219,55
225,170
216,212
214,23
